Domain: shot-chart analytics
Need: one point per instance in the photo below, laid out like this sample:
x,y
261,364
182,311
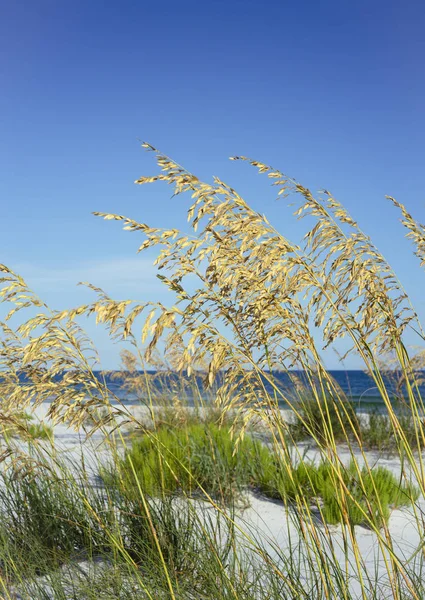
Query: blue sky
x,y
331,92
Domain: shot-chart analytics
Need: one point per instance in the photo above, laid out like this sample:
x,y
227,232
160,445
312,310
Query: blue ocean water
x,y
355,384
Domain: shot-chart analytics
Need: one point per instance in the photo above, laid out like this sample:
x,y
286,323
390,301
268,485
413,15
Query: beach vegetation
x,y
248,302
204,460
323,419
340,494
377,432
197,458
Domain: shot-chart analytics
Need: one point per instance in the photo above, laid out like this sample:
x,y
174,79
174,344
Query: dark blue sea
x,y
358,386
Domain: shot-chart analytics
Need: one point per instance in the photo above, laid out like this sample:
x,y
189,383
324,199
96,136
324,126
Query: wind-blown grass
x,y
21,425
64,538
247,302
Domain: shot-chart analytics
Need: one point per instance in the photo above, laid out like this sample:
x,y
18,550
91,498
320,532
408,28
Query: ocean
x,y
357,385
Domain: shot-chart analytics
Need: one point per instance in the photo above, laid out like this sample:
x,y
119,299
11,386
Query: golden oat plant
x,y
258,299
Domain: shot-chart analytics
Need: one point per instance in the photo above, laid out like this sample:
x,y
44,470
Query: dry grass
x,y
258,299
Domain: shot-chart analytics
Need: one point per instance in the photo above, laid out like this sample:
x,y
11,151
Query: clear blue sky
x,y
331,92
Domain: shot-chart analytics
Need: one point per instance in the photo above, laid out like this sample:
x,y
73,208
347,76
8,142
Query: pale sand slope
x,y
268,518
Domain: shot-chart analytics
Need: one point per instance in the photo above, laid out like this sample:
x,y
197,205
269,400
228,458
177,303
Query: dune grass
x,y
197,457
317,418
204,458
377,432
248,301
22,425
369,494
63,537
40,431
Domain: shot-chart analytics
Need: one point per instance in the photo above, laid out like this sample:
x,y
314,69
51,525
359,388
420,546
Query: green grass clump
x,y
377,432
200,456
323,419
367,499
318,417
45,519
61,537
203,457
39,431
